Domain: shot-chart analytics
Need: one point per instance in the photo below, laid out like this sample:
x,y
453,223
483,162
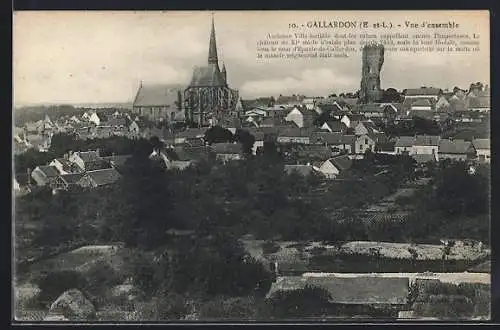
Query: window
x,y
366,141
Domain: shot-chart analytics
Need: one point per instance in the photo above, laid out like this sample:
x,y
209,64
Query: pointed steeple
x,y
224,72
212,49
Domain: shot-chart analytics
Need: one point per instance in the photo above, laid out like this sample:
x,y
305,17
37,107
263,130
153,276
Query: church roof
x,y
207,76
157,95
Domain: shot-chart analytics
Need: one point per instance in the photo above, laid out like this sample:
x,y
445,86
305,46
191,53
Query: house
x,y
38,142
189,134
364,143
309,103
352,293
303,170
478,101
404,144
422,159
67,181
332,167
483,149
426,145
294,135
456,150
192,153
301,117
421,104
423,92
134,128
99,178
386,147
289,101
170,159
351,120
94,118
44,175
259,102
227,151
159,102
336,141
372,110
442,104
311,152
334,126
259,141
365,127
64,166
88,160
117,161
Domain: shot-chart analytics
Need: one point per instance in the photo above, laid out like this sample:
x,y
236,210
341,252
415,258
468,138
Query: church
x,y
206,101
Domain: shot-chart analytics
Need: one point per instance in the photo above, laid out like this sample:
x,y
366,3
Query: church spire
x,y
224,72
212,49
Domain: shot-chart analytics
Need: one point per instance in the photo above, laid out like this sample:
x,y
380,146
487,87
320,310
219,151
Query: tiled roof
x,y
336,125
207,76
454,147
186,153
372,107
88,156
479,101
104,176
313,151
292,99
421,103
405,141
227,148
260,102
303,170
481,143
157,95
294,132
117,160
356,117
115,121
192,133
423,91
350,290
427,140
332,138
72,178
67,165
342,162
426,114
49,171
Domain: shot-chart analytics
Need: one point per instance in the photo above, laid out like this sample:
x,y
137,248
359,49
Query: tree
x,y
246,139
308,301
392,95
217,134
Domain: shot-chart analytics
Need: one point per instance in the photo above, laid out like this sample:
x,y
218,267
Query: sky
x,y
98,57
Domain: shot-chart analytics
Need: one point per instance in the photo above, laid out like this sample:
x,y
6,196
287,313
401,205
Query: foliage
x,y
55,283
217,134
308,301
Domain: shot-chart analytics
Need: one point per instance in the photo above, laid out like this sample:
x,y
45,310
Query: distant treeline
x,y
34,113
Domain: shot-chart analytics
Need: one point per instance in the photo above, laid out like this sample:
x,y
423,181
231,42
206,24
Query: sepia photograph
x,y
251,166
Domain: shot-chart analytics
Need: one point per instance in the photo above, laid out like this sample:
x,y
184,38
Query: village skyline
x,y
163,48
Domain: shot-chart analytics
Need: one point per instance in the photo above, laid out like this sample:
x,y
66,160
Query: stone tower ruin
x,y
373,59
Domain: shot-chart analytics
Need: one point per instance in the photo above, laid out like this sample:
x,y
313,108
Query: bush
x,y
172,307
269,247
53,284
